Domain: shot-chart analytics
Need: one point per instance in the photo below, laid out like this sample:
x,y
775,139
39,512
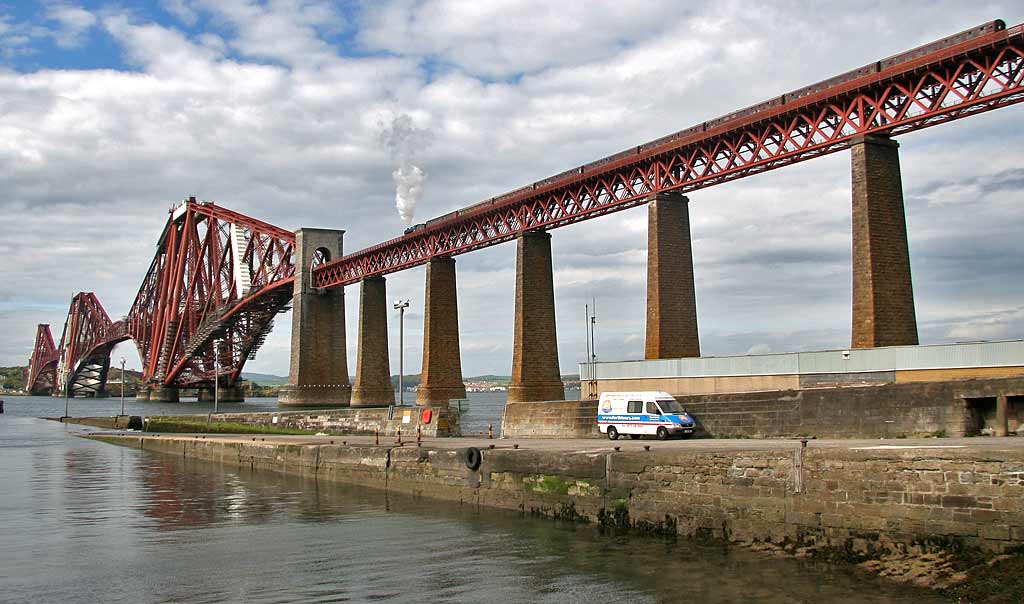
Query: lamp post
x,y
122,385
216,375
401,305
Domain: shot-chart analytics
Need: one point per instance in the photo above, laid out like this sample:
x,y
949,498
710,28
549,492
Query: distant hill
x,y
12,378
265,379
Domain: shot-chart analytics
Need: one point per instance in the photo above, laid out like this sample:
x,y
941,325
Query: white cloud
x,y
73,23
181,9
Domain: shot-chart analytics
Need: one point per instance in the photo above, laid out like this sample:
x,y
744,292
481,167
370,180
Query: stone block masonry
x,y
441,377
319,360
671,297
373,368
864,500
561,419
535,372
883,294
443,421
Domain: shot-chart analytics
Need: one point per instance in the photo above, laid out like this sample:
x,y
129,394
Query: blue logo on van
x,y
606,407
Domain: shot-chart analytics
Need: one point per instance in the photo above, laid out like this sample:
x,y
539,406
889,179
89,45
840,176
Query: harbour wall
x,y
865,502
386,421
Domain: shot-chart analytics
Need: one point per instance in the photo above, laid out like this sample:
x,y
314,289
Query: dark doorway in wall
x,y
981,415
1015,414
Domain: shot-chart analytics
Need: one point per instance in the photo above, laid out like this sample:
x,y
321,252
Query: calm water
x,y
82,521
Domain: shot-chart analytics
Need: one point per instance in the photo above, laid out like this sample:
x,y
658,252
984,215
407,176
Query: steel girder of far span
x,y
974,71
41,375
216,283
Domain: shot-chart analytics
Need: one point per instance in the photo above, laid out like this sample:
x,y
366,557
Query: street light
x,y
216,375
400,306
122,385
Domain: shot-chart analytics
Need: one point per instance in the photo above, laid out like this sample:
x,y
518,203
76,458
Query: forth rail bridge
x,y
219,278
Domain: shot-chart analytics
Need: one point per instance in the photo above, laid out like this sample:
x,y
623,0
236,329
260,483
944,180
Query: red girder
x,y
41,376
217,276
974,71
209,281
85,345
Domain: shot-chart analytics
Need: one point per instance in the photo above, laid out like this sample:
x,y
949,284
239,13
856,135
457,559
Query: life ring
x,y
473,458
427,415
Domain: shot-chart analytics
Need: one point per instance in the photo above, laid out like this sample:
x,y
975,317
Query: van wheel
x,y
635,436
662,433
613,434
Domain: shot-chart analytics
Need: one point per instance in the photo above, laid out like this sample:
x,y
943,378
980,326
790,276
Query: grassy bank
x,y
198,425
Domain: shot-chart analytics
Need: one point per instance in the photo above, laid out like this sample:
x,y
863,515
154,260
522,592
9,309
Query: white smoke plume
x,y
404,142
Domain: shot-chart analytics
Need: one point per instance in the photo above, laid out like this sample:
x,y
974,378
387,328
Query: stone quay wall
x,y
864,502
444,421
560,419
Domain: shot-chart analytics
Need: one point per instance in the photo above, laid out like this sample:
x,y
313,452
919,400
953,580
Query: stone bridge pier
x,y
225,394
535,371
441,376
883,293
373,368
319,363
671,298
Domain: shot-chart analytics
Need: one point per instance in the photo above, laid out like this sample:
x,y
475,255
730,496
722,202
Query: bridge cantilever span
x,y
41,376
208,300
971,72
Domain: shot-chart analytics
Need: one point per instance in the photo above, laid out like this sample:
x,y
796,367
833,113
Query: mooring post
x,y
798,467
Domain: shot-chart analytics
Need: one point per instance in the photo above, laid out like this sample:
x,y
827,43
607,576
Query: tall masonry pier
x,y
319,363
535,373
441,378
373,367
671,297
883,295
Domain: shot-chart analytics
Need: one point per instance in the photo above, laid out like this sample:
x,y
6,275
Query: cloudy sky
x,y
111,112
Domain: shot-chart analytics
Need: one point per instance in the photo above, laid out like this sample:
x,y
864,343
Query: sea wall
x,y
442,421
866,502
561,419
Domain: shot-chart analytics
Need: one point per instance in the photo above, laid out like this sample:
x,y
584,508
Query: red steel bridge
x,y
206,304
219,278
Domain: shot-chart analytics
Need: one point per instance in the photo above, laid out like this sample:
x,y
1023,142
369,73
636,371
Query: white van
x,y
639,413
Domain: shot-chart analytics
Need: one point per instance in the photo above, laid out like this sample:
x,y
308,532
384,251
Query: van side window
x,y
634,407
652,409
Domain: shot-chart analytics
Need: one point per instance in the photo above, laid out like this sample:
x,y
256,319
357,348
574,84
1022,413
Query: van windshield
x,y
670,405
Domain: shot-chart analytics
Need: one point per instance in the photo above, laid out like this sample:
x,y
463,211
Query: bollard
x,y
376,436
1,405
398,435
419,434
490,431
